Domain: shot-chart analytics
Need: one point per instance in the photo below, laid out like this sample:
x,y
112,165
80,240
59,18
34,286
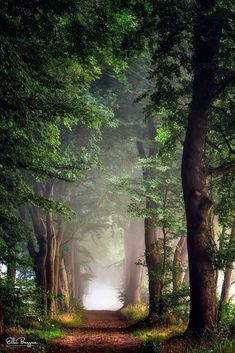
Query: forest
x,y
117,176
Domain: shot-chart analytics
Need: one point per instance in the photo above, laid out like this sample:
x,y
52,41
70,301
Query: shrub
x,y
135,313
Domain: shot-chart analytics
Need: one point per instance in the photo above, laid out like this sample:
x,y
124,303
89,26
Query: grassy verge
x,y
168,338
43,333
159,341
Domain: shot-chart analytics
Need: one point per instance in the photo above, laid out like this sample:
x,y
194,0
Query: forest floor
x,y
101,332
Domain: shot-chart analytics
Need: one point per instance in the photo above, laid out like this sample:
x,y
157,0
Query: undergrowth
x,y
135,313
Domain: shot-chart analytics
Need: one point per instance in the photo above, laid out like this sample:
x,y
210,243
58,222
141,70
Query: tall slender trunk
x,y
197,203
1,314
59,238
77,275
63,287
134,249
179,260
152,249
67,254
153,261
50,261
226,288
38,257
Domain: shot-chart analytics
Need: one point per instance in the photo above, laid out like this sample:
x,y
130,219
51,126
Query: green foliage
x,y
152,346
217,346
43,337
177,303
226,324
20,302
153,340
223,255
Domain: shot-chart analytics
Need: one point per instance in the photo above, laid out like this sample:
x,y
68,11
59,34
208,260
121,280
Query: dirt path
x,y
102,332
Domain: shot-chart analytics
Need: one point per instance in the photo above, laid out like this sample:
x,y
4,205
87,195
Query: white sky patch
x,y
101,296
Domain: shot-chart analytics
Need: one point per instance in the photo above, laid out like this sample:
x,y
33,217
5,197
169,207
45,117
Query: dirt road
x,y
102,332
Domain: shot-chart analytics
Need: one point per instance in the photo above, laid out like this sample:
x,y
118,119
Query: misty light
x,y
102,296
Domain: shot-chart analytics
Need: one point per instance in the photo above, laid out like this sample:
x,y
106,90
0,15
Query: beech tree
x,y
194,73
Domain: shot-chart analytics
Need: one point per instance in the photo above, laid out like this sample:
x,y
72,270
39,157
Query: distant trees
x,y
46,72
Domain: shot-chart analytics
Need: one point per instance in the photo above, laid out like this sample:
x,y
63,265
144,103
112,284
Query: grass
x,y
158,340
44,332
46,335
152,339
135,313
67,320
225,345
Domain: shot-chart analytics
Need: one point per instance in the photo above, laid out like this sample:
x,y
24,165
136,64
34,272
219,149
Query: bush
x,y
135,313
226,323
20,302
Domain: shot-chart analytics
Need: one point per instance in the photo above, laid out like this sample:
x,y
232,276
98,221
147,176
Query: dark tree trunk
x,y
39,257
153,261
50,262
1,315
197,203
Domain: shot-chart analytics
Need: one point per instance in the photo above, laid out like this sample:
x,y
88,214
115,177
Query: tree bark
x,y
197,203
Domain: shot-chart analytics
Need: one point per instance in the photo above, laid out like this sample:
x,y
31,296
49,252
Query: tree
x,y
194,77
206,42
134,250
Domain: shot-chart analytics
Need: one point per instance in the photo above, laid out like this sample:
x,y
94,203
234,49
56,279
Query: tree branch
x,y
222,169
220,87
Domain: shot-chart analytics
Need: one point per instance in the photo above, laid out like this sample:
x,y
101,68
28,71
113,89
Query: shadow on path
x,y
102,332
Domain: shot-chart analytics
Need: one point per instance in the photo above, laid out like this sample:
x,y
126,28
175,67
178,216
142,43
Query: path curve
x,y
103,331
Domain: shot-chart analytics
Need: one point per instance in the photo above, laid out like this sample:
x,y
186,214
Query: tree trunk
x,y
78,286
63,287
134,249
38,257
186,276
179,260
153,261
225,293
67,254
59,238
50,264
1,315
197,203
152,249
